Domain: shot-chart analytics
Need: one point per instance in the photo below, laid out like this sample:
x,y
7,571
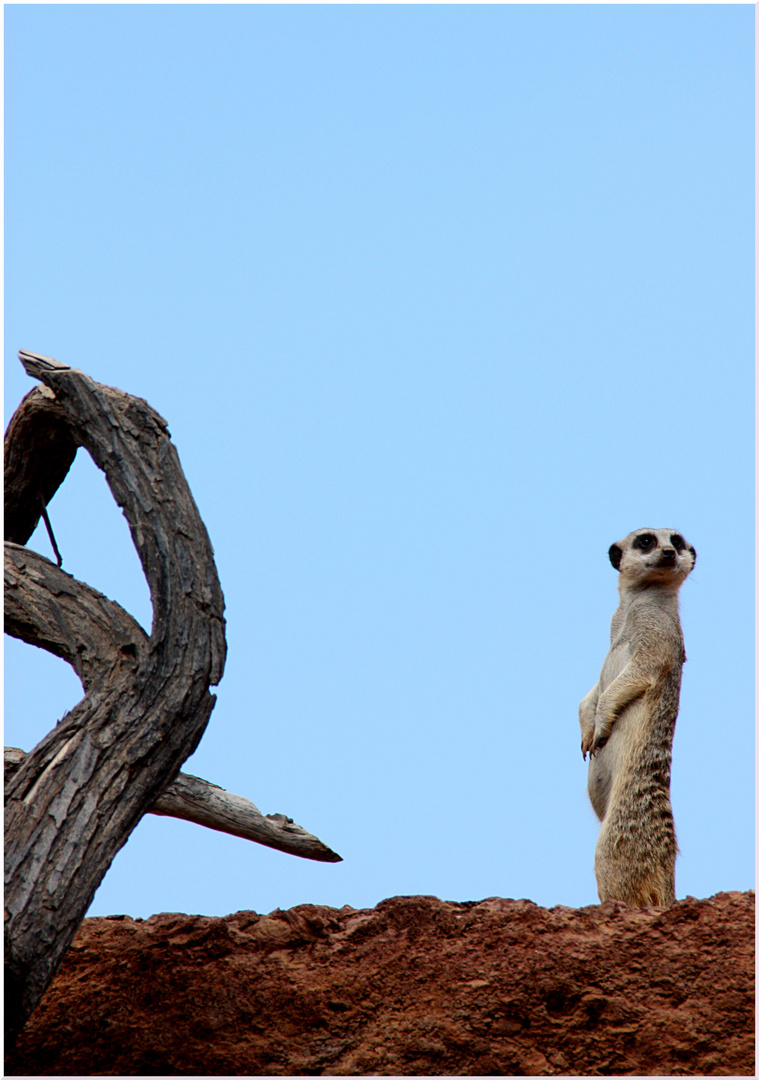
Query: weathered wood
x,y
47,607
196,800
76,797
192,799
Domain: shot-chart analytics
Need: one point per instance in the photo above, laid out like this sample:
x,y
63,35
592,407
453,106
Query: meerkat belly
x,y
617,659
614,760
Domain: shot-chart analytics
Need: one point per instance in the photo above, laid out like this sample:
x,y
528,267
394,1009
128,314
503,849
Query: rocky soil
x,y
416,986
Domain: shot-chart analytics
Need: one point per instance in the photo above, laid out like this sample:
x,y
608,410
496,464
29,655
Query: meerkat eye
x,y
645,542
677,542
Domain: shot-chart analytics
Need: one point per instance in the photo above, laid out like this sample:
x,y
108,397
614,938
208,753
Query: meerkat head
x,y
653,557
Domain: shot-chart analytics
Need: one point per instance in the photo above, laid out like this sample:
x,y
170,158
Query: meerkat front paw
x,y
599,742
601,733
587,712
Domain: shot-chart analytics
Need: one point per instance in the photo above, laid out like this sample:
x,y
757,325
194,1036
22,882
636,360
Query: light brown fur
x,y
628,721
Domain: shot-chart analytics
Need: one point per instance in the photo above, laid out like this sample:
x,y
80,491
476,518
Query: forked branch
x,y
72,802
76,797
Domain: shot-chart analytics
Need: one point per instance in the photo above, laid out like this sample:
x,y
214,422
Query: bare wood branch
x,y
203,803
196,800
47,607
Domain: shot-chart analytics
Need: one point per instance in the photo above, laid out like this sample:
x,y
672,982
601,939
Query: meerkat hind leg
x,y
655,891
620,878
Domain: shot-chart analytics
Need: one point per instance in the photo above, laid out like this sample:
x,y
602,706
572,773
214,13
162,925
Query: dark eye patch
x,y
677,542
644,542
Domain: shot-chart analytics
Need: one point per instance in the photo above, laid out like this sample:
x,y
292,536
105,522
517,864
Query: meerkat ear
x,y
693,553
615,554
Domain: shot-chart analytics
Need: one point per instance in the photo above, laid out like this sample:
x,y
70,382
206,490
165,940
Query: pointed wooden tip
x,y
35,364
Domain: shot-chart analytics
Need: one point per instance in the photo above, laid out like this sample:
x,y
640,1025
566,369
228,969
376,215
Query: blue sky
x,y
439,302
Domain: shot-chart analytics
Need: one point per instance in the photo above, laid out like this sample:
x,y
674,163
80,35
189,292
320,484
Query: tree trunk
x,y
74,800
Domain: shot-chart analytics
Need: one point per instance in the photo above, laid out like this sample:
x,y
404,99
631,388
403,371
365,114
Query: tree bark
x,y
74,800
193,799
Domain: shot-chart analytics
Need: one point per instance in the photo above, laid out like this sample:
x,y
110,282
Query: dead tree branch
x,y
203,803
74,800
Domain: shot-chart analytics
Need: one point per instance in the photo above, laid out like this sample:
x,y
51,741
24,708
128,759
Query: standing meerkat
x,y
628,721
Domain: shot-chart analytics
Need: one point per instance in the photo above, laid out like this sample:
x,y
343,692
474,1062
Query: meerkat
x,y
628,719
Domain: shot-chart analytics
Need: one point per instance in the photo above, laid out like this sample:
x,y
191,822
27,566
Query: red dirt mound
x,y
416,986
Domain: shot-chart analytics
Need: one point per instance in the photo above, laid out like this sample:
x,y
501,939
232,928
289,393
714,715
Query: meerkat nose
x,y
668,555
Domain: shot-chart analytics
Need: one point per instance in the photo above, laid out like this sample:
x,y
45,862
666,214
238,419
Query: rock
x,y
416,986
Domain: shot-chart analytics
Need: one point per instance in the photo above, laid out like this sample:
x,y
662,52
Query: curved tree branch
x,y
76,797
47,607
